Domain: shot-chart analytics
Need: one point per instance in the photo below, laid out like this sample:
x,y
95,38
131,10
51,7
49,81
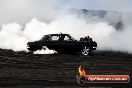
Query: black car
x,y
64,43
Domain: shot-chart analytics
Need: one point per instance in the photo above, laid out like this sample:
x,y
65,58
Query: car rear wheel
x,y
85,50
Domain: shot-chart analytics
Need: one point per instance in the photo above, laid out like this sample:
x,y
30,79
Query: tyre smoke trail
x,y
12,36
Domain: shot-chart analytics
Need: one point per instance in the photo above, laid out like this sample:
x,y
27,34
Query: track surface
x,y
24,70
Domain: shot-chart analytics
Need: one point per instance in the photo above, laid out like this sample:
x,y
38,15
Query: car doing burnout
x,y
64,43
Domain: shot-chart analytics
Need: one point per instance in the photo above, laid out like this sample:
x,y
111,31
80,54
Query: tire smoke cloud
x,y
22,26
108,38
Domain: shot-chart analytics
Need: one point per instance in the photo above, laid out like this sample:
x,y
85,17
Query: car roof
x,y
56,34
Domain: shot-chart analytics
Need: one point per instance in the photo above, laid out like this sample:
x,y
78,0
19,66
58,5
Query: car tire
x,y
85,50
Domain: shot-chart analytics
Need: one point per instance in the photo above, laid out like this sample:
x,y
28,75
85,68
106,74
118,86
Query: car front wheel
x,y
85,50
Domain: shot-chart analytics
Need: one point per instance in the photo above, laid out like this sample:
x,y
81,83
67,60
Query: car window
x,y
54,38
66,38
44,37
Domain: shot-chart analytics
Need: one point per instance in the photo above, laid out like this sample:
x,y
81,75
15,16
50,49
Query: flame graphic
x,y
81,71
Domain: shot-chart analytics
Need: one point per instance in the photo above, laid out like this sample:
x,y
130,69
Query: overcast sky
x,y
117,5
24,10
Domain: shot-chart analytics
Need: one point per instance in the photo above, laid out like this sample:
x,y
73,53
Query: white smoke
x,y
48,19
12,36
44,50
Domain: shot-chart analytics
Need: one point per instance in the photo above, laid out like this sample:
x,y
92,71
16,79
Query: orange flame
x,y
81,71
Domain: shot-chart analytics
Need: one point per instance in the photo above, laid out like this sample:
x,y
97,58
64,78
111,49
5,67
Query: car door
x,y
69,44
54,43
60,45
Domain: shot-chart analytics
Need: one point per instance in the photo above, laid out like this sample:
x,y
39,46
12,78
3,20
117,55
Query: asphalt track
x,y
25,70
